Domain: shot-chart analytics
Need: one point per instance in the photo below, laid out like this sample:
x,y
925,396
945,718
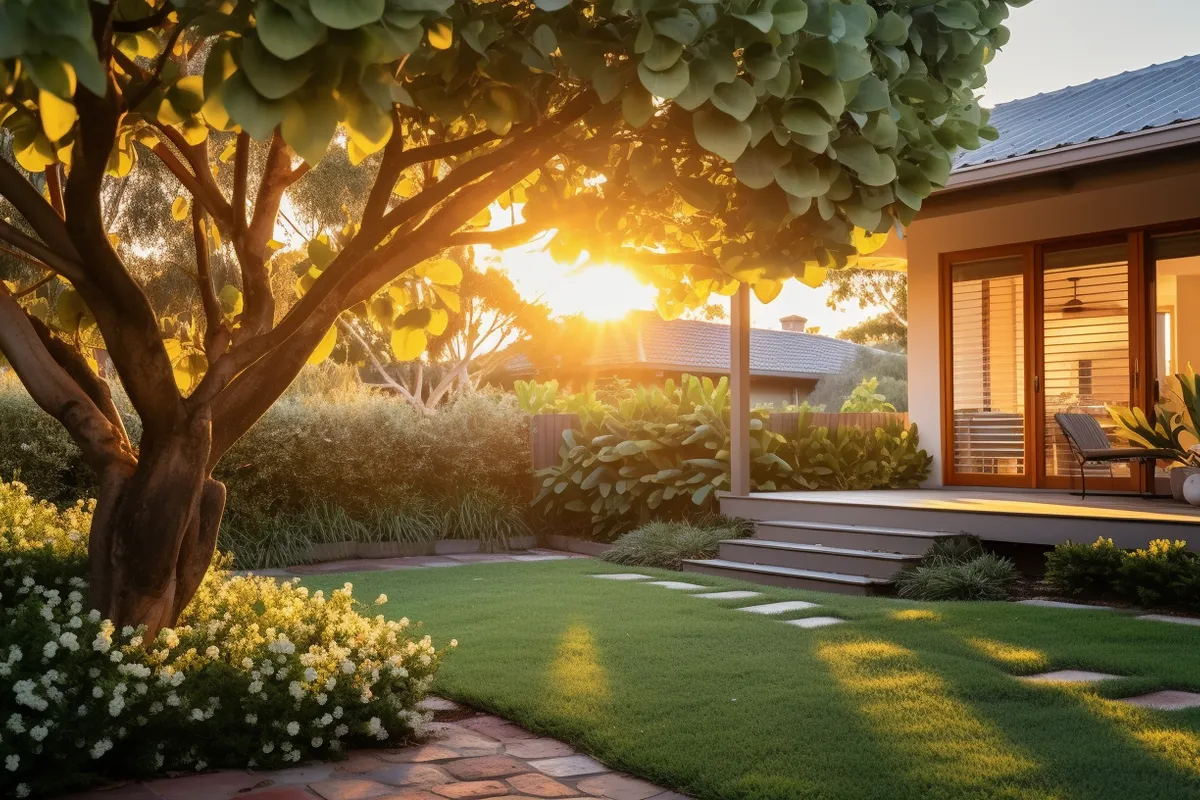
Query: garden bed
x,y
343,551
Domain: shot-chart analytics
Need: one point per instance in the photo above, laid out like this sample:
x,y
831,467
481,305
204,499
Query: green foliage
x,y
663,453
958,570
890,369
874,289
866,398
1083,570
1165,431
256,673
486,516
667,545
833,117
1165,574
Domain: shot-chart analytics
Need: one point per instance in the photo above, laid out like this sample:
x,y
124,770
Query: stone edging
x,y
343,551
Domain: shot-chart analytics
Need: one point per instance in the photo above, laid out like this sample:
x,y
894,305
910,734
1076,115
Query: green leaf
x,y
662,55
756,168
799,179
666,84
825,92
682,26
257,115
287,31
789,16
347,14
763,20
231,300
957,14
872,95
721,134
408,343
873,168
736,99
440,270
608,81
309,126
804,118
637,106
552,5
325,347
271,77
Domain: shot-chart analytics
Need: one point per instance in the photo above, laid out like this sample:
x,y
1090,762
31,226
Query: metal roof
x,y
1154,97
646,340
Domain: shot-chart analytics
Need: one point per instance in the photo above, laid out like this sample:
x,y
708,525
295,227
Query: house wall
x,y
1095,201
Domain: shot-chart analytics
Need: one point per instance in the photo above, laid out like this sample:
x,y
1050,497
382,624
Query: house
x,y
643,348
1058,271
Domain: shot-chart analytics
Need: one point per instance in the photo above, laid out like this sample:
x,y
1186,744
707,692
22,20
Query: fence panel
x,y
545,437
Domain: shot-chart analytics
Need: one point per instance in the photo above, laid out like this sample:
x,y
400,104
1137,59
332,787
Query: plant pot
x,y
1178,476
332,551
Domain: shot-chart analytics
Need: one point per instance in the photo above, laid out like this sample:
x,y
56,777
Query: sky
x,y
1055,43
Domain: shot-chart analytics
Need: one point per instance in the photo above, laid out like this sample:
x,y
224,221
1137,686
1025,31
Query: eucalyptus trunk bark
x,y
155,529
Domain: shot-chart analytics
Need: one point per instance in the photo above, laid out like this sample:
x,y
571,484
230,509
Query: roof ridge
x,y
1102,79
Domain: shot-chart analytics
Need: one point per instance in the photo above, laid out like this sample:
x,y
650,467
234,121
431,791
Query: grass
x,y
905,701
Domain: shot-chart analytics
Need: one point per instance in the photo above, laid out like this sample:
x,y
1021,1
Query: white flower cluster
x,y
256,673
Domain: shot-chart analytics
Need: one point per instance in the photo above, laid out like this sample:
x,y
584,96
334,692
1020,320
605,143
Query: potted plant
x,y
1167,430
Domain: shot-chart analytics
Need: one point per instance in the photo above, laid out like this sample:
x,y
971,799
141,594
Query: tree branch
x,y
50,259
36,210
383,373
35,285
199,193
144,23
214,329
197,158
241,165
54,188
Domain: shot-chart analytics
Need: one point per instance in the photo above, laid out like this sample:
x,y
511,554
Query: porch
x,y
855,542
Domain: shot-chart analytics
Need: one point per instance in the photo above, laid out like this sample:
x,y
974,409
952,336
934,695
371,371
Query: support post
x,y
739,392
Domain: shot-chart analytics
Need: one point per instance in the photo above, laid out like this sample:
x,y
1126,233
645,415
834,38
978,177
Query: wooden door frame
x,y
946,262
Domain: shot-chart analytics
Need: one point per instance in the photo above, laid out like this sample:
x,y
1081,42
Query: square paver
x,y
621,576
1070,676
619,787
779,608
568,766
814,622
1168,700
728,595
1168,618
1061,604
676,585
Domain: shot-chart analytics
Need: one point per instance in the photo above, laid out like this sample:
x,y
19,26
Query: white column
x,y
739,392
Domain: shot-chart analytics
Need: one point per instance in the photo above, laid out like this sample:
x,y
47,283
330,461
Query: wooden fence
x,y
546,430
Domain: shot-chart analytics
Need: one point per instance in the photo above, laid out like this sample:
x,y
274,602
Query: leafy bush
x,y
256,674
668,544
1085,570
890,369
866,399
958,569
490,517
1166,573
663,453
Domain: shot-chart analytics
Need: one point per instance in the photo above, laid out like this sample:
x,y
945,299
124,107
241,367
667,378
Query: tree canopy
x,y
704,144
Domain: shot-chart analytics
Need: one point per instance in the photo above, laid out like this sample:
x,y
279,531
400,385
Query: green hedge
x,y
1164,574
664,453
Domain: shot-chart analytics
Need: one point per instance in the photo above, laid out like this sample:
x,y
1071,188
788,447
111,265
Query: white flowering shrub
x,y
257,673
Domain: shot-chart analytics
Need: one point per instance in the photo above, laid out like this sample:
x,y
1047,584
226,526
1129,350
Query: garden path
x,y
466,755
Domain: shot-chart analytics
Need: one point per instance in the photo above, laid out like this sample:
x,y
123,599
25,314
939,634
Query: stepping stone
x,y
1061,604
814,622
1168,618
728,595
476,769
351,789
433,703
539,748
471,789
536,785
409,774
677,585
539,558
621,576
619,787
1168,700
779,608
568,766
1070,676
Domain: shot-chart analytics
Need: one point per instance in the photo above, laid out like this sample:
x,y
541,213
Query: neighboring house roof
x,y
644,340
1122,106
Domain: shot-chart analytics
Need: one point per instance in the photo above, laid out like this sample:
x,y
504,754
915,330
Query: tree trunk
x,y
155,529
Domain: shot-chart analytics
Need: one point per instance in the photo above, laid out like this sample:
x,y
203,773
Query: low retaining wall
x,y
572,545
342,551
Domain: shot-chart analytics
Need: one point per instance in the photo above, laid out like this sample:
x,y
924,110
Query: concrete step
x,y
817,557
856,537
789,577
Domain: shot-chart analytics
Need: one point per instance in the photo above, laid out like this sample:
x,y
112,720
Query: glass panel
x,y
988,347
1086,341
1177,278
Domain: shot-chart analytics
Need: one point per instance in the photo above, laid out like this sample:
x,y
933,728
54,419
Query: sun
x,y
607,292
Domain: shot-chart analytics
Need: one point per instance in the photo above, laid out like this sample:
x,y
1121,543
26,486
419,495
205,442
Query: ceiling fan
x,y
1076,308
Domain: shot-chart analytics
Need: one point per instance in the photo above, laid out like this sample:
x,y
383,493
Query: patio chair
x,y
1090,445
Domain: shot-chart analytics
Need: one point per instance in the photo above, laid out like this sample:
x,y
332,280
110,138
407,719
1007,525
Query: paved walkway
x,y
465,756
415,562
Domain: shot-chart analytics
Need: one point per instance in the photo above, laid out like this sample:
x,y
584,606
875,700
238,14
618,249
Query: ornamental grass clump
x,y
668,544
958,569
256,673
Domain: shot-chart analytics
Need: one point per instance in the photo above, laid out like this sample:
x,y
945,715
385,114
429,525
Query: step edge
x,y
834,526
881,555
790,572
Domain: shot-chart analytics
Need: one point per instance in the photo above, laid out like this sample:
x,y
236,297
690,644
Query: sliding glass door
x,y
1030,333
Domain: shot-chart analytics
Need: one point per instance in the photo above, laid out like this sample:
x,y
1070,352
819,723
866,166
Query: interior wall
x,y
1092,203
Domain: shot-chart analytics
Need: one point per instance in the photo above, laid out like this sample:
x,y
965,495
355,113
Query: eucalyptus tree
x,y
704,144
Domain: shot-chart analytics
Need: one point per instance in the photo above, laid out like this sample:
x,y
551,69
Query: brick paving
x,y
464,757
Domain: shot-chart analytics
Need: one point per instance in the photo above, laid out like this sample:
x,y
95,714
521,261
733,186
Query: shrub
x,y
668,544
958,569
1084,570
490,517
1164,574
256,674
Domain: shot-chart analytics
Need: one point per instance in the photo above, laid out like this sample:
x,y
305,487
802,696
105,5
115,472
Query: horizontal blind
x,y
988,351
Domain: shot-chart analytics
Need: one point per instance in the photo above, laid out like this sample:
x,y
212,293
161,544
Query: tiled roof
x,y
1153,97
644,340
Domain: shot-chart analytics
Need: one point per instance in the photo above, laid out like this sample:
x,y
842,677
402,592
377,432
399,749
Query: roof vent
x,y
794,323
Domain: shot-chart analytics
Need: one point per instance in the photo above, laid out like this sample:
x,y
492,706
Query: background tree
x,y
870,288
704,145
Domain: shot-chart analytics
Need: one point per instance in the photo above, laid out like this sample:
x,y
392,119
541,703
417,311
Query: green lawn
x,y
904,701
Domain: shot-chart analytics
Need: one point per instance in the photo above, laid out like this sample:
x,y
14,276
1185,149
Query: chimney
x,y
794,323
